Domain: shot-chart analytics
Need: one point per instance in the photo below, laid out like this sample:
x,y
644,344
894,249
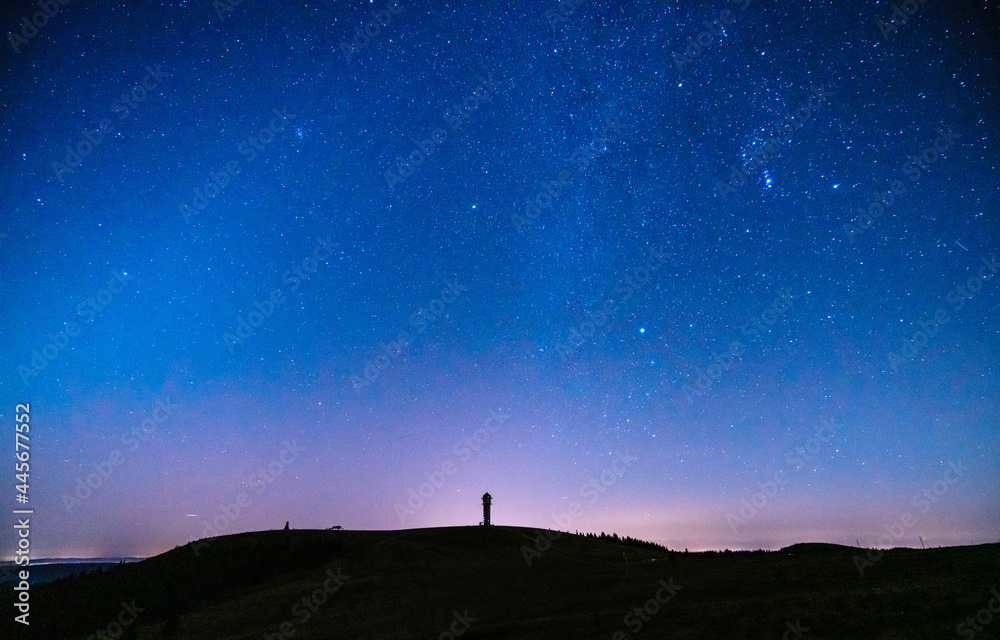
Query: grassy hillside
x,y
422,583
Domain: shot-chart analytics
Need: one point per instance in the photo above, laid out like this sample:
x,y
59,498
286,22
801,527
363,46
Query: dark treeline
x,y
629,541
643,544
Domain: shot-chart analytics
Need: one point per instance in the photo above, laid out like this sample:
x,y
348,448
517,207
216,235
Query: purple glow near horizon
x,y
559,269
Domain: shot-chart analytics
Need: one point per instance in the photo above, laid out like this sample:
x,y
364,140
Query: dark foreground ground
x,y
474,582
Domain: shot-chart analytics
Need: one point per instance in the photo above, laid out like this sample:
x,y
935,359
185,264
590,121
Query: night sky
x,y
714,274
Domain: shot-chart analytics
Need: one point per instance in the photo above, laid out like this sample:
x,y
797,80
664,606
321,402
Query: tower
x,y
487,499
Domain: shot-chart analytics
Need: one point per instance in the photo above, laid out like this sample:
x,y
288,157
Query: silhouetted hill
x,y
512,582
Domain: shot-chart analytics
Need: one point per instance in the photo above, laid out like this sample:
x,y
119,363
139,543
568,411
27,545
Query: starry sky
x,y
716,274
